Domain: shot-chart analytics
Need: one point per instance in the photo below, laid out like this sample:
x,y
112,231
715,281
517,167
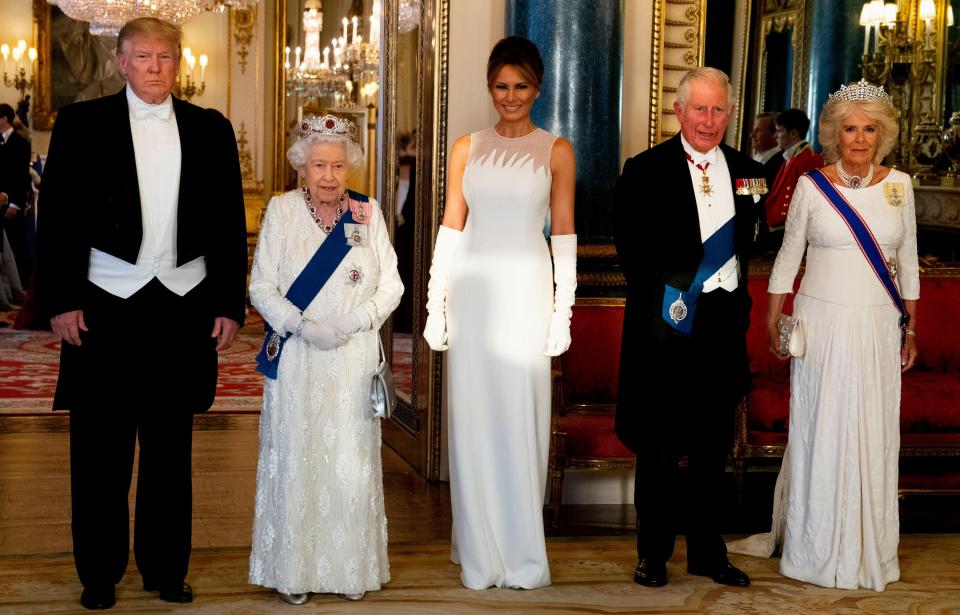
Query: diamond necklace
x,y
326,228
855,181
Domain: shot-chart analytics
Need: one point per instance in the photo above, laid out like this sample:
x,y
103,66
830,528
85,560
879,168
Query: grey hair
x,y
300,151
834,114
705,72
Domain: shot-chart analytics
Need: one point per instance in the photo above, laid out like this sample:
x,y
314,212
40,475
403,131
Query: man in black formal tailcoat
x,y
142,268
683,366
15,191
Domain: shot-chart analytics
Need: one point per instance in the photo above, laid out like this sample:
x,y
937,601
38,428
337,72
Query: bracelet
x,y
299,328
909,331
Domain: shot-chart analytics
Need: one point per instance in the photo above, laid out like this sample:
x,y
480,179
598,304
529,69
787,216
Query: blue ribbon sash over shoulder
x,y
306,287
863,236
679,306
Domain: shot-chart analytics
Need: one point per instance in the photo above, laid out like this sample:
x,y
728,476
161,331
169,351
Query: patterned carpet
x,y
29,364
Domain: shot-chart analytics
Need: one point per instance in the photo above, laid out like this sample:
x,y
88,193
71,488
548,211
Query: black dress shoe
x,y
725,574
181,594
98,598
650,573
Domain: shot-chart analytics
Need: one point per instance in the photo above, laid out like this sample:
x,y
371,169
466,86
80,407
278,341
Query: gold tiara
x,y
860,91
329,125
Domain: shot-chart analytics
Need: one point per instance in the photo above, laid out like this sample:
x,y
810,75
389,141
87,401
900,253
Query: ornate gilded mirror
x,y
779,77
328,61
413,180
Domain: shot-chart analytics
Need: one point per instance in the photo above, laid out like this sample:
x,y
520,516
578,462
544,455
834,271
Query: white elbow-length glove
x,y
564,249
435,330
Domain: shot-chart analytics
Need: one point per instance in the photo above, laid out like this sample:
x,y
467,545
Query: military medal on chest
x,y
705,186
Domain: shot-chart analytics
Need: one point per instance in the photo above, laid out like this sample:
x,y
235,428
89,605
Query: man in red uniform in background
x,y
800,157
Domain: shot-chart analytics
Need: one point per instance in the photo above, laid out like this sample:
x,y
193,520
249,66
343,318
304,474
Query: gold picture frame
x,y
102,80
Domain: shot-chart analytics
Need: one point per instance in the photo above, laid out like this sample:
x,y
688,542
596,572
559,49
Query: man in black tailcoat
x,y
686,213
142,268
15,191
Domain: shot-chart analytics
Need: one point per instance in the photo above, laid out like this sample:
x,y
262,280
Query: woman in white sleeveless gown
x,y
835,507
491,300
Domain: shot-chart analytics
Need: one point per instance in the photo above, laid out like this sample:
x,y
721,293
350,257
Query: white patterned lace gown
x,y
319,523
839,475
498,310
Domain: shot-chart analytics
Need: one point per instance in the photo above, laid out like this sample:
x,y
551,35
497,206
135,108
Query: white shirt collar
x,y
763,157
792,150
140,109
699,157
6,134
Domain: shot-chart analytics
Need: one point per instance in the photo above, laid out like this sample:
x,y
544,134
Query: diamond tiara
x,y
330,125
860,91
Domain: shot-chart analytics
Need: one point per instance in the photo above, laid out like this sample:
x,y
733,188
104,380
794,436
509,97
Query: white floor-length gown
x,y
319,523
836,502
498,310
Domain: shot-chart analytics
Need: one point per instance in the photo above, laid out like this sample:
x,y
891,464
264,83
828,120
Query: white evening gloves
x,y
435,330
329,333
564,248
323,335
352,322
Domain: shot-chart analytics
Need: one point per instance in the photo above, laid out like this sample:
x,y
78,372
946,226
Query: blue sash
x,y
680,306
864,237
306,287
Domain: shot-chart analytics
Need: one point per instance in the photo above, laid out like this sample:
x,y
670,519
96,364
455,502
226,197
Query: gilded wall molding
x,y
243,21
246,158
246,99
678,31
43,116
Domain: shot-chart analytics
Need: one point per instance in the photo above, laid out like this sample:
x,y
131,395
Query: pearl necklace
x,y
326,228
855,181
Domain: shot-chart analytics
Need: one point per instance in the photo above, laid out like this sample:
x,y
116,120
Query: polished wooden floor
x,y
591,574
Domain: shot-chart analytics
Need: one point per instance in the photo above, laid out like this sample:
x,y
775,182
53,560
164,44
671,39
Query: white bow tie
x,y
161,111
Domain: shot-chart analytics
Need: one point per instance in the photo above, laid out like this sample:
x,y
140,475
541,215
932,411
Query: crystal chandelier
x,y
408,15
313,77
348,62
106,17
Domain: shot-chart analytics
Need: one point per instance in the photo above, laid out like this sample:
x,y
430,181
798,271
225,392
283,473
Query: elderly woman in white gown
x,y
325,279
835,508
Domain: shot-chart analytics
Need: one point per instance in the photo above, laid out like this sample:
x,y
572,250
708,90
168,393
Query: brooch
x,y
273,346
356,234
360,211
894,193
354,275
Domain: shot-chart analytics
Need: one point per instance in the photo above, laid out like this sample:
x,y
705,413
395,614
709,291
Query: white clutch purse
x,y
791,336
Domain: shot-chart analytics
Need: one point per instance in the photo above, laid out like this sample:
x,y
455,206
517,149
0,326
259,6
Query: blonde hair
x,y
831,123
708,73
150,27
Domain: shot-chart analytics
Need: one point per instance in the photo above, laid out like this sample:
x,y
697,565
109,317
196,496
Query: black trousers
x,y
693,415
101,463
144,367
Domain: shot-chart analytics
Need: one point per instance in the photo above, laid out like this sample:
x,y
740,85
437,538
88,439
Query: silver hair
x,y
705,72
300,150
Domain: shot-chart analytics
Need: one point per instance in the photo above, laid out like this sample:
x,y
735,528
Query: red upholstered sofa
x,y
585,397
930,405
